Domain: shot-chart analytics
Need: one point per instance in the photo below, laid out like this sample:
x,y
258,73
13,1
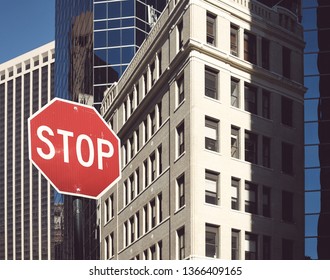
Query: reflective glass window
x,y
140,36
114,23
310,64
311,41
100,25
312,84
312,156
100,75
127,36
114,56
311,225
127,54
127,22
113,74
309,18
100,39
311,248
312,202
114,38
312,179
114,9
100,11
311,113
100,57
311,133
127,8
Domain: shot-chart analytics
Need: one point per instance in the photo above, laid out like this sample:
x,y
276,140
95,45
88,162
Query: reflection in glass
x,y
312,202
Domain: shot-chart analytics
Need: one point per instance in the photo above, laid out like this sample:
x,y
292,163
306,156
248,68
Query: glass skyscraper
x,y
316,24
95,41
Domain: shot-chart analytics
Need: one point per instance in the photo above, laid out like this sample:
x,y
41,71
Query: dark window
x,y
211,83
251,198
235,244
251,147
287,158
180,38
266,201
251,243
266,247
235,193
211,187
153,167
153,213
266,104
234,92
234,142
287,111
211,135
287,206
287,249
210,28
266,151
265,53
234,40
250,97
250,47
180,89
286,62
180,187
180,139
211,241
181,243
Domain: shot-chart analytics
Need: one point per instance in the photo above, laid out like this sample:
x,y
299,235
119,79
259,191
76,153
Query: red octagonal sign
x,y
74,148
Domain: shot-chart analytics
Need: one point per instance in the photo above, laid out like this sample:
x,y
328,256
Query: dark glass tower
x,y
95,42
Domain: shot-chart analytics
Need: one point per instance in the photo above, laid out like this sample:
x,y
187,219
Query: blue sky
x,y
25,25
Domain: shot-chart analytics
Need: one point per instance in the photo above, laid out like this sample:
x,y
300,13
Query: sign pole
x,y
78,232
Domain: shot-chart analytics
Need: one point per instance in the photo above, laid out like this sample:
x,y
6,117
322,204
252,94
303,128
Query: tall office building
x,y
95,41
210,115
26,198
316,24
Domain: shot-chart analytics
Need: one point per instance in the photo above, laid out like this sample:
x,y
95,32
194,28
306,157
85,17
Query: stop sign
x,y
74,148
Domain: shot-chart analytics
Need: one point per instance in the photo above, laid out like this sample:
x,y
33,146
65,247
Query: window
x,y
126,242
137,181
251,198
286,62
160,207
153,167
235,183
250,99
153,72
153,213
287,249
180,191
211,241
180,89
211,187
234,40
181,243
137,216
251,147
266,201
287,206
287,158
265,104
132,226
160,114
125,193
132,147
153,252
235,244
234,92
131,103
153,122
250,47
160,63
265,53
266,247
287,111
146,173
146,218
180,139
251,246
235,142
132,184
145,129
211,83
106,211
266,151
145,83
180,38
160,159
210,28
211,134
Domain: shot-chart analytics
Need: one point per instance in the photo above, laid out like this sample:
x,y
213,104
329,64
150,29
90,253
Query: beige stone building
x,y
210,115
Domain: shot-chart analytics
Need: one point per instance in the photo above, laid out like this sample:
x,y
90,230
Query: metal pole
x,y
78,241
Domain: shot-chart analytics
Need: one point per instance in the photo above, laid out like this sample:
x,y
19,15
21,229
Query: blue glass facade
x,y
316,24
